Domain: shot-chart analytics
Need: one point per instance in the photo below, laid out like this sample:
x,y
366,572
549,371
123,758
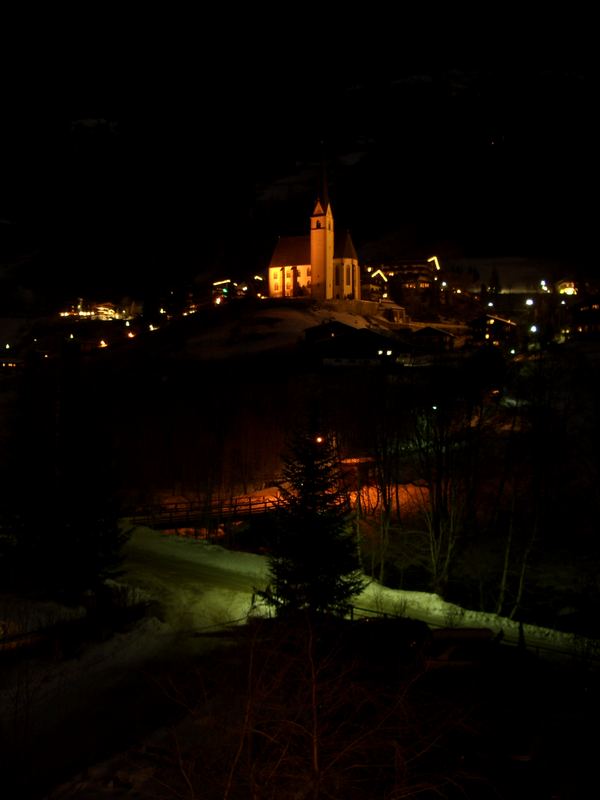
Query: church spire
x,y
324,189
323,185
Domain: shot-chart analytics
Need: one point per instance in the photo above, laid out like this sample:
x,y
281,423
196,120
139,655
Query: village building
x,y
319,265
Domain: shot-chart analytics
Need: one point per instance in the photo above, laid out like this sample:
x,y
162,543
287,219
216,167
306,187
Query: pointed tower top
x,y
320,208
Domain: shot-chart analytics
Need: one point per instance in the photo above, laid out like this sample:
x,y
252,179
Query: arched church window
x,y
318,224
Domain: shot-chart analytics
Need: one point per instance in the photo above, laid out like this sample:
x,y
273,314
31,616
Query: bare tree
x,y
444,437
320,713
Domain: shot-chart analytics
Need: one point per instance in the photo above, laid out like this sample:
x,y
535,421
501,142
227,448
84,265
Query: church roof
x,y
344,246
291,251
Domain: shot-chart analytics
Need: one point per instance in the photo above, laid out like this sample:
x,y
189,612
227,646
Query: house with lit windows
x,y
319,264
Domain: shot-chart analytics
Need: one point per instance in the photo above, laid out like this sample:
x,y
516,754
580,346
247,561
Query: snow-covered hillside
x,y
268,327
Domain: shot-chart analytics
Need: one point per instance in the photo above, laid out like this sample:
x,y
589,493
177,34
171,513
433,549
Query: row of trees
x,y
498,480
464,495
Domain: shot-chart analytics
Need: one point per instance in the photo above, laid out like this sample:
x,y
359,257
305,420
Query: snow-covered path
x,y
201,584
196,584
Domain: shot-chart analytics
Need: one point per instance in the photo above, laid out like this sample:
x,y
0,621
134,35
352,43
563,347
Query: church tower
x,y
321,249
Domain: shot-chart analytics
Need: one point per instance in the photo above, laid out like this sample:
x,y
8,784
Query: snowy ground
x,y
201,584
83,704
266,329
195,586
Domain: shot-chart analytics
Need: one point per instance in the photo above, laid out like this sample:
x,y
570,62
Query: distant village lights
x,y
105,312
567,287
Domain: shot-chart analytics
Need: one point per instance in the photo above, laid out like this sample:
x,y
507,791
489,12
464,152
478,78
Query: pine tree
x,y
314,561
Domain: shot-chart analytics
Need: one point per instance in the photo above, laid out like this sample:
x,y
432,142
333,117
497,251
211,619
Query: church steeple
x,y
323,194
321,248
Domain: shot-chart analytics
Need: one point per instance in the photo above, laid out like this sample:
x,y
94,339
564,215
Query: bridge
x,y
208,514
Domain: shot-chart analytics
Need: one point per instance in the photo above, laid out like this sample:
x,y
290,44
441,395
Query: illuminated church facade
x,y
318,265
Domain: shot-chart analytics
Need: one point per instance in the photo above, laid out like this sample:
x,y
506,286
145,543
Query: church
x,y
318,265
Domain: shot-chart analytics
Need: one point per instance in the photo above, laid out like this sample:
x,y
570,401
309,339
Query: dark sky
x,y
139,150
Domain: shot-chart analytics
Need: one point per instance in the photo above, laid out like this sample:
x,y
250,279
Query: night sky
x,y
152,147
